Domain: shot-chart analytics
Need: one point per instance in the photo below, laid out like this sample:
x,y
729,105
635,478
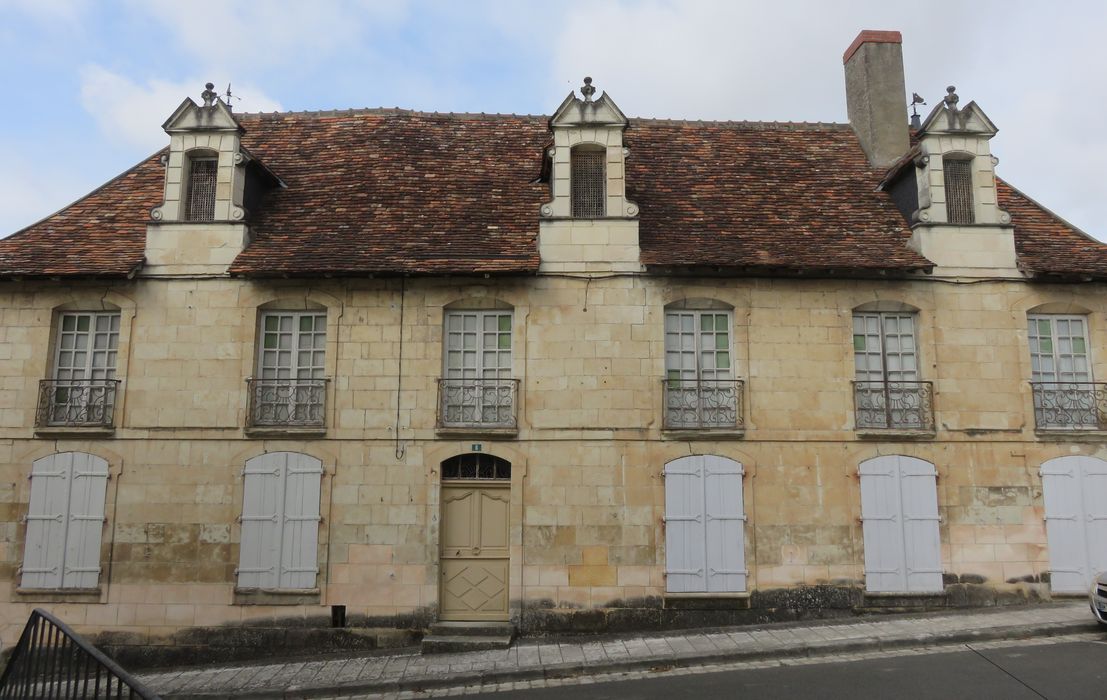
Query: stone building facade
x,y
317,376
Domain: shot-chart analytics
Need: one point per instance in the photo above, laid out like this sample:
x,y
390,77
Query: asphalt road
x,y
1066,671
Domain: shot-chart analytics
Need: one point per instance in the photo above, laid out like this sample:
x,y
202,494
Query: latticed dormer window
x,y
958,175
200,202
589,180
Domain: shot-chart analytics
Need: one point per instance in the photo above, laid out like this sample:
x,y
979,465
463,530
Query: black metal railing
x,y
703,403
52,661
893,405
76,403
477,403
1070,405
290,403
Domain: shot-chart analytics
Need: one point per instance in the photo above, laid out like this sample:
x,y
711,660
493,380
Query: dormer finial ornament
x,y
956,119
209,94
587,90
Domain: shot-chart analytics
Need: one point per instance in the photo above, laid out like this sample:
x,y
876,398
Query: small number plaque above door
x,y
476,466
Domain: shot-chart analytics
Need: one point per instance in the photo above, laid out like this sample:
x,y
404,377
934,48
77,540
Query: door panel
x,y
474,552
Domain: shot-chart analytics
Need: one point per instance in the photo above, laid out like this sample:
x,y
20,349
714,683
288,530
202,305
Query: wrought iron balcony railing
x,y
286,403
1070,405
703,404
477,403
893,405
76,403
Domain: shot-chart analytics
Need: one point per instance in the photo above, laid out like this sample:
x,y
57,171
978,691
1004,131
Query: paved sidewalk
x,y
552,658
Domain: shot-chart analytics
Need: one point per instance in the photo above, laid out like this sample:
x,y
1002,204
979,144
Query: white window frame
x,y
84,368
478,353
700,380
1065,395
1056,357
894,364
888,393
289,386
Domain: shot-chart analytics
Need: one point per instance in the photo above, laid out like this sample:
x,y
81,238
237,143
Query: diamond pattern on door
x,y
474,552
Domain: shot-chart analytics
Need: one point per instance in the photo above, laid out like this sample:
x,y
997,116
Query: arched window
x,y
705,542
477,389
81,391
701,389
589,181
280,521
476,465
1065,395
289,387
958,180
65,521
203,167
899,515
887,392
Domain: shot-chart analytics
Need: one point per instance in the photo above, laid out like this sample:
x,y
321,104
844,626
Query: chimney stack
x,y
876,99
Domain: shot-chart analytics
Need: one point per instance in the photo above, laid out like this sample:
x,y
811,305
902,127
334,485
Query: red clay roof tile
x,y
391,191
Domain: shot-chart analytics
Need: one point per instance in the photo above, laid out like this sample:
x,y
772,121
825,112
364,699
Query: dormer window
x,y
200,196
589,182
958,180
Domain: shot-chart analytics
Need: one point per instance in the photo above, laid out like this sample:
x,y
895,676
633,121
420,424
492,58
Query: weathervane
x,y
229,97
916,100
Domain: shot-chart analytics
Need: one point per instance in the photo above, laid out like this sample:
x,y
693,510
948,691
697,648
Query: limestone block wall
x,y
587,494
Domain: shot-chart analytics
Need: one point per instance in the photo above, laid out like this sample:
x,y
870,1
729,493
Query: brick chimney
x,y
876,99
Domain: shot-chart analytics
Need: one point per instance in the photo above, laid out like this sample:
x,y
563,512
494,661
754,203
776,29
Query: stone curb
x,y
681,660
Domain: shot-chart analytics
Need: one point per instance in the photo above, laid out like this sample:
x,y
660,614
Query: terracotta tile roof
x,y
380,192
390,191
1047,244
103,234
762,196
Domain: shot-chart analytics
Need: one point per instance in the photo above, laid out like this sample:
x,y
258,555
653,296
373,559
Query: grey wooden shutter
x,y
724,524
65,521
1074,489
300,536
899,510
704,525
280,521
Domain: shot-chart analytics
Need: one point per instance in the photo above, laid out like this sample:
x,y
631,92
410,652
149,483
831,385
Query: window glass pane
x,y
69,323
82,323
505,323
306,323
722,360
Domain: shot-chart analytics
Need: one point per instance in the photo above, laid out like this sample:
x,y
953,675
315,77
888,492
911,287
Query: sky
x,y
88,83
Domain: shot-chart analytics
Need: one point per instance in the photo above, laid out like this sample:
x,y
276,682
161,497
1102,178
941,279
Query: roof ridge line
x,y
771,124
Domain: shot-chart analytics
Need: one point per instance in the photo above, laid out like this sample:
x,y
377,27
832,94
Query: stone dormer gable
x,y
588,159
211,184
209,176
956,218
956,183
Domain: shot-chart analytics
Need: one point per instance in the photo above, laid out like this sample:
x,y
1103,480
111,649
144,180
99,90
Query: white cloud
x,y
1035,71
132,114
236,36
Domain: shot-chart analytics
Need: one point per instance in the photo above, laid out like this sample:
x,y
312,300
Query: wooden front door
x,y
474,550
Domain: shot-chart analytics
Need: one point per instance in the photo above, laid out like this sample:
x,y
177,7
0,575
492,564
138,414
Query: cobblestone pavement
x,y
552,661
